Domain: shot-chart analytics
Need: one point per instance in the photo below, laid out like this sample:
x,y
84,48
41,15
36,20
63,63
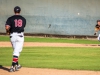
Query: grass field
x,y
55,57
56,40
70,58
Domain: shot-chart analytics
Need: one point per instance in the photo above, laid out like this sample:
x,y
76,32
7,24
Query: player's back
x,y
17,23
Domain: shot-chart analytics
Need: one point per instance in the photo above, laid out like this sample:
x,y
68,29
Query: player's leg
x,y
19,45
18,49
98,37
15,58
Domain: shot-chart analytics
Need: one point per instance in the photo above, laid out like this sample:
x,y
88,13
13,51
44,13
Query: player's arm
x,y
7,28
24,22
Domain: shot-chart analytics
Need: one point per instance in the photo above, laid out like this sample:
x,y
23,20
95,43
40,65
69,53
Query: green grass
x,y
61,40
54,40
71,58
4,38
55,57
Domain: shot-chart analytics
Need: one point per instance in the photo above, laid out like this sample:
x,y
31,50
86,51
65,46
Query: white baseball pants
x,y
98,37
17,40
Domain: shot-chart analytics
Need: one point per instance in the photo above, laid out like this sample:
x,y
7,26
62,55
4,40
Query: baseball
x,y
78,13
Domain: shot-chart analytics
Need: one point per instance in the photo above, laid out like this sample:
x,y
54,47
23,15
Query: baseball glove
x,y
95,33
97,28
7,32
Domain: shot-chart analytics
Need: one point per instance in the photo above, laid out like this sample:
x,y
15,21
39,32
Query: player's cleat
x,y
17,67
11,69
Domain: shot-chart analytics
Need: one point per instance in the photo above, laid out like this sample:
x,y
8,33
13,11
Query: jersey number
x,y
18,23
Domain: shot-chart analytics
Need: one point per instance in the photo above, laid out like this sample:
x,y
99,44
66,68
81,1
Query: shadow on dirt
x,y
4,68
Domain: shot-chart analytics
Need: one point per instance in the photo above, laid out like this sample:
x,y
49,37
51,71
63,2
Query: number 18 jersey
x,y
16,23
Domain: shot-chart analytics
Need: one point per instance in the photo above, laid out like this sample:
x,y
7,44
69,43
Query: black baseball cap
x,y
98,20
17,9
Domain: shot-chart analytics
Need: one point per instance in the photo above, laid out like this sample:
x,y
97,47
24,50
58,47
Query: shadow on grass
x,y
4,68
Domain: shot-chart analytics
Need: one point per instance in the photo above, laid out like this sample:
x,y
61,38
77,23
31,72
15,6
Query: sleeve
x,y
25,23
8,22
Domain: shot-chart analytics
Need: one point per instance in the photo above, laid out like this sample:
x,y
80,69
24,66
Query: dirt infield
x,y
39,71
38,44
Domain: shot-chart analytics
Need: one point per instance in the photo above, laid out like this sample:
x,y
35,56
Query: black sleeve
x,y
8,22
25,22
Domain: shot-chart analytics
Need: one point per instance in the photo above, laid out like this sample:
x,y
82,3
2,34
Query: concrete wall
x,y
65,17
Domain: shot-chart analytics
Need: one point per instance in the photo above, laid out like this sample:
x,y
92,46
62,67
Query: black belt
x,y
16,32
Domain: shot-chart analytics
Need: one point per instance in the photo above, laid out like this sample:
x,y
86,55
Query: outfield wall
x,y
64,17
